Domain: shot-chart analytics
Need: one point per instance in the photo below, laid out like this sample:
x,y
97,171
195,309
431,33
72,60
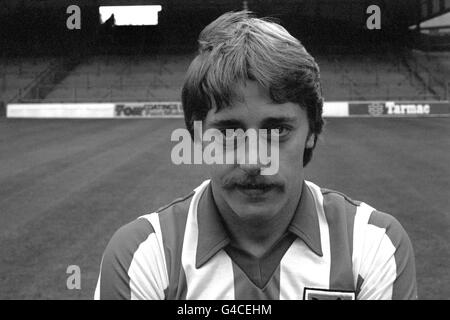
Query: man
x,y
244,235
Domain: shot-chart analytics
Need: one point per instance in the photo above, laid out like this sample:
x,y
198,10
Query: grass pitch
x,y
67,185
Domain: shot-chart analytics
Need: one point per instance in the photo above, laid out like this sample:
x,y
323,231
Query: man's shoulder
x,y
166,216
375,217
129,236
179,205
339,206
126,241
334,195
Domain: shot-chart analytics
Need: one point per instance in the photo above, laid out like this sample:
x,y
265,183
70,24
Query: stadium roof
x,y
396,12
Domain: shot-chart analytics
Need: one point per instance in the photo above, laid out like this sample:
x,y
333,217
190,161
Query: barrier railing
x,y
97,94
145,93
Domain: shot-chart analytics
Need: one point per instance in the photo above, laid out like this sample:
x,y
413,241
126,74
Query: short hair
x,y
237,47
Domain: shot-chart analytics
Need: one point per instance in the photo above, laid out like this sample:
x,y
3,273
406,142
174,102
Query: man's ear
x,y
310,141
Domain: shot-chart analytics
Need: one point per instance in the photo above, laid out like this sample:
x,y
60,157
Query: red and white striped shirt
x,y
335,248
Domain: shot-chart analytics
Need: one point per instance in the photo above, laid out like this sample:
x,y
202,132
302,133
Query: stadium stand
x,y
411,75
119,78
433,68
16,74
370,77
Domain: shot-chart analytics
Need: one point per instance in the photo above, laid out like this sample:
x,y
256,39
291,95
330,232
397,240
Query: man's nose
x,y
251,169
249,160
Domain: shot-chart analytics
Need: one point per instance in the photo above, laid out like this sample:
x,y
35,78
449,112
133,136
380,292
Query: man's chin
x,y
256,210
258,216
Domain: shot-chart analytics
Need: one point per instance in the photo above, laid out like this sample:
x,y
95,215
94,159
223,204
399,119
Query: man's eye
x,y
227,133
279,131
230,133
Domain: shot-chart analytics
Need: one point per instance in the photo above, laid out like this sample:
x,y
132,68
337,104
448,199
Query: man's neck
x,y
254,236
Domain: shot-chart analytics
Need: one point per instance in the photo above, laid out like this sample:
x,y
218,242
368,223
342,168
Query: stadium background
x,y
67,184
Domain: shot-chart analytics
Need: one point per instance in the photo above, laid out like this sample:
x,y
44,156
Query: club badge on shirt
x,y
324,294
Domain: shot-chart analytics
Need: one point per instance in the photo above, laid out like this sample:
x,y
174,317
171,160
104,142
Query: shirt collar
x,y
212,236
305,223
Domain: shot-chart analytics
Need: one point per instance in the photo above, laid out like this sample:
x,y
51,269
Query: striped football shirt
x,y
335,248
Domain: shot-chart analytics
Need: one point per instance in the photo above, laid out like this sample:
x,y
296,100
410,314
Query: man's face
x,y
240,188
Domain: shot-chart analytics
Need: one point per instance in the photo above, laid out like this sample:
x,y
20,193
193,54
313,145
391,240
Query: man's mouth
x,y
254,190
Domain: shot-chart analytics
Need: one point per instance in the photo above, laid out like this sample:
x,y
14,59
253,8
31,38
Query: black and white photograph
x,y
224,150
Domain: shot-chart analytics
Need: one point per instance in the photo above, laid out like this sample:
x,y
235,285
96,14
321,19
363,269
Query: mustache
x,y
247,181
